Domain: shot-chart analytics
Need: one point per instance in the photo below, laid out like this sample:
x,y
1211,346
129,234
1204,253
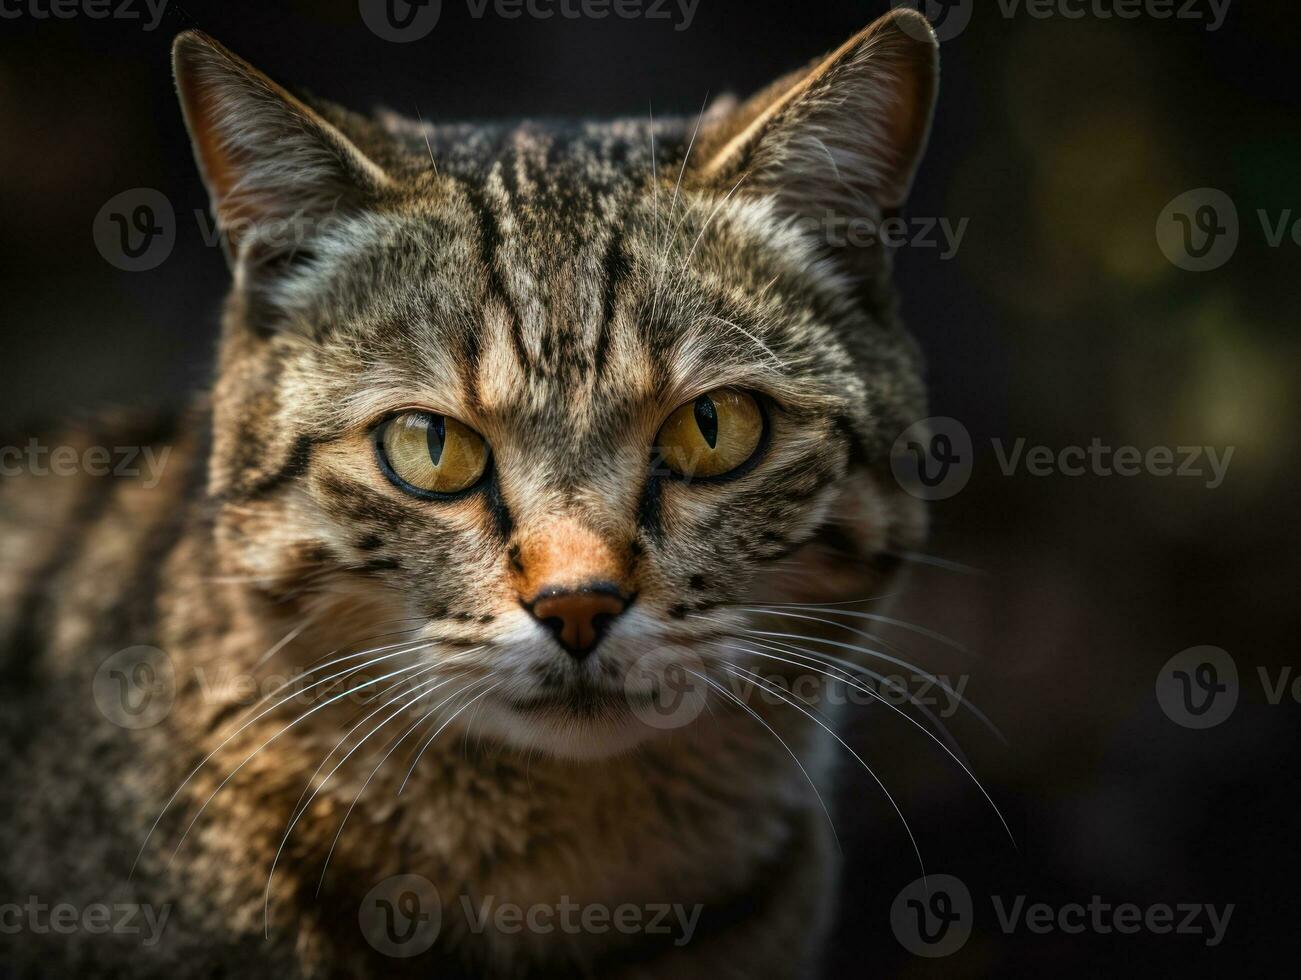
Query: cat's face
x,y
562,401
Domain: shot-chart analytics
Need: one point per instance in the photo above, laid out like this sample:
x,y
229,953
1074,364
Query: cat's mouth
x,y
583,699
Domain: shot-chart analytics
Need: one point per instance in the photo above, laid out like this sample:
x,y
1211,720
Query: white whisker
x,y
912,721
755,715
740,671
304,716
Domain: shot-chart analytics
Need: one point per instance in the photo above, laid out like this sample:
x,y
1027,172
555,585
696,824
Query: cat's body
x,y
560,290
719,821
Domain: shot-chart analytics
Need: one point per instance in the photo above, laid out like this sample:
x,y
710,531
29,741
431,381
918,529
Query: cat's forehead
x,y
546,278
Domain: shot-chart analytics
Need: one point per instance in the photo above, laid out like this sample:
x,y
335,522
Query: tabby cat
x,y
517,430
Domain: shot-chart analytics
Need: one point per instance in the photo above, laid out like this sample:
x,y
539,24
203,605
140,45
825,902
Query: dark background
x,y
1060,320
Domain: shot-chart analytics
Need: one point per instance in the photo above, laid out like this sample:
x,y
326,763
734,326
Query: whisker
x,y
755,715
207,758
856,648
827,606
348,734
301,808
710,220
687,157
873,617
920,727
740,671
847,676
288,638
749,336
379,765
424,131
429,741
917,558
305,715
419,644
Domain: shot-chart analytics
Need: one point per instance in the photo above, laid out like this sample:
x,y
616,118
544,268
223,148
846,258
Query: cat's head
x,y
563,399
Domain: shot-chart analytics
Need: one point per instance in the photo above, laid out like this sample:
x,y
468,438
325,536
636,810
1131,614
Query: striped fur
x,y
561,289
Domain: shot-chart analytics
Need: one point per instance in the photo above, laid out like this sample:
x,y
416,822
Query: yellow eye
x,y
713,435
431,454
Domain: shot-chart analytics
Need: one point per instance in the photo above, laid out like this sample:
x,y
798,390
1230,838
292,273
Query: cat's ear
x,y
843,137
266,157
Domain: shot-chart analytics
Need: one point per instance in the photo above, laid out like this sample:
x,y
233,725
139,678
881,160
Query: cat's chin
x,y
575,732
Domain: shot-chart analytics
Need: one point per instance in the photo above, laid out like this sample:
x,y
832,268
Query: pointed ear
x,y
265,155
843,137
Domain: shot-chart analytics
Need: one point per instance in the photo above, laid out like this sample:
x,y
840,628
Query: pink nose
x,y
578,617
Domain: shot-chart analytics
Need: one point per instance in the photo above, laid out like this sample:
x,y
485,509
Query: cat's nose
x,y
578,618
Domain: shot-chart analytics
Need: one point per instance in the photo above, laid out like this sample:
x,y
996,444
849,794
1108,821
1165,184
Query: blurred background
x,y
1061,319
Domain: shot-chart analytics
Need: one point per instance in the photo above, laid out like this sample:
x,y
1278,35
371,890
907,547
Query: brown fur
x,y
561,291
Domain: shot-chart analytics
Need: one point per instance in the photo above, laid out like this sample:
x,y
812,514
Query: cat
x,y
515,430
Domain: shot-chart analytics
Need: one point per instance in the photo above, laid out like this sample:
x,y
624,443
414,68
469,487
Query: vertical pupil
x,y
707,420
434,434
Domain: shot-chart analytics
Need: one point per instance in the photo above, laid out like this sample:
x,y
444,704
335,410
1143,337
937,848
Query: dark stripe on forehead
x,y
489,243
616,267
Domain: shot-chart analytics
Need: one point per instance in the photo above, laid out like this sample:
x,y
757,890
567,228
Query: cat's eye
x,y
713,436
431,455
